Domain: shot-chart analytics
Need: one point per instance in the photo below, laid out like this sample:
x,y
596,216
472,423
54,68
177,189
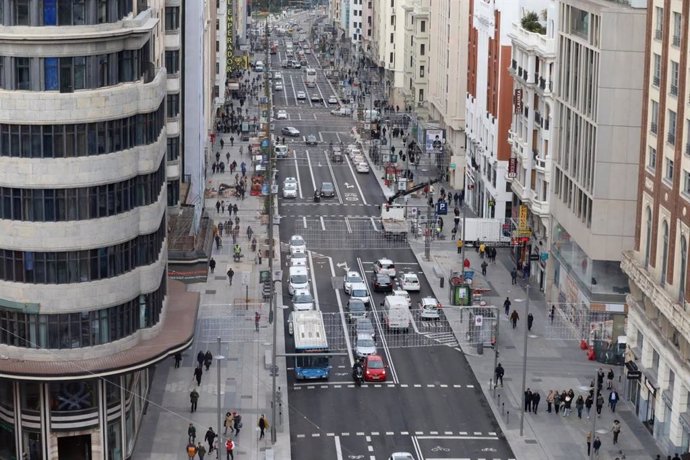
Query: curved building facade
x,y
85,304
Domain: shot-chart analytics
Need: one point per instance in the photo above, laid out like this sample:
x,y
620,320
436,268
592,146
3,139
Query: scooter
x,y
317,196
237,257
358,376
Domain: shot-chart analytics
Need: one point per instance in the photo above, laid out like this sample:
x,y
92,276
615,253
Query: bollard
x,y
441,282
499,398
507,417
503,408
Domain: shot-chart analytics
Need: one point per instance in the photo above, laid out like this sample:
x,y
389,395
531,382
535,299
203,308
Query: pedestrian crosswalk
x,y
347,384
444,338
473,435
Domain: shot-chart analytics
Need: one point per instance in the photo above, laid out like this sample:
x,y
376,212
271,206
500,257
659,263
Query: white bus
x,y
311,78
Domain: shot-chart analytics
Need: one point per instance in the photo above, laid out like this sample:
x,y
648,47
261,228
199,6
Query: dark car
x,y
356,309
315,98
290,131
382,283
327,190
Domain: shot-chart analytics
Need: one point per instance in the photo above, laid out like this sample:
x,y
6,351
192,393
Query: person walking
x,y
263,424
178,358
499,372
210,437
589,443
218,206
513,276
552,313
228,423
530,321
599,404
579,405
506,306
257,320
536,397
230,274
208,359
588,404
514,317
232,141
616,430
200,358
212,264
458,245
237,420
556,402
549,401
528,400
567,405
482,250
230,449
191,450
596,445
484,265
191,433
197,374
613,400
201,451
609,379
193,398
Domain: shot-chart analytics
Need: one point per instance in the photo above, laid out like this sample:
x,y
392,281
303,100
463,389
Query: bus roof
x,y
310,333
310,70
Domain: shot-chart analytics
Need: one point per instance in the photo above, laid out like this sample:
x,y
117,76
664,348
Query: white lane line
x,y
417,449
300,435
316,435
304,220
361,433
335,182
347,225
448,433
323,224
404,433
282,79
338,449
344,434
330,435
320,135
487,438
311,170
299,182
342,316
294,93
338,136
323,99
313,285
299,116
373,224
390,433
354,176
370,449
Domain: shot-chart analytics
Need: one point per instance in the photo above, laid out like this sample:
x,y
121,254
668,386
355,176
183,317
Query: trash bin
x,y
441,281
480,347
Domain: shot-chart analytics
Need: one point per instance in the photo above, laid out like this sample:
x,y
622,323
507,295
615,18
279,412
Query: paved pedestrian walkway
x,y
226,311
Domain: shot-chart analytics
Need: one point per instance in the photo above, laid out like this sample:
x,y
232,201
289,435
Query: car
x,y
302,300
374,370
349,279
281,151
359,291
410,282
311,140
354,153
405,294
285,64
290,190
381,282
315,98
356,309
298,279
298,259
342,112
327,190
401,456
364,345
290,131
362,167
277,75
296,64
307,51
297,244
278,87
282,114
365,326
429,308
332,100
301,95
303,62
385,266
290,179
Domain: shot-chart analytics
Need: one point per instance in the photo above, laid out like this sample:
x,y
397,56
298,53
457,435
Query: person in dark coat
x,y
536,397
200,358
178,358
530,321
208,359
212,264
514,317
528,400
197,375
210,437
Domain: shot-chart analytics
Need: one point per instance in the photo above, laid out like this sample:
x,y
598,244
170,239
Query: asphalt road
x,y
431,404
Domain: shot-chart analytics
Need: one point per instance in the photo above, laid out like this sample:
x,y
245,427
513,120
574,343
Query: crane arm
x,y
402,193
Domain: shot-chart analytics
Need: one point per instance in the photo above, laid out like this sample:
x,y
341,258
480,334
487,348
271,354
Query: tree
x,y
530,22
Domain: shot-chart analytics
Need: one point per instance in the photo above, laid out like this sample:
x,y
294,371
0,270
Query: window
x,y
102,11
686,182
651,158
391,58
659,19
675,71
392,37
21,13
422,26
172,61
173,105
676,29
50,12
50,73
668,174
2,64
172,18
664,252
648,236
173,148
22,73
392,20
671,134
654,126
71,12
422,49
683,272
656,78
173,193
421,71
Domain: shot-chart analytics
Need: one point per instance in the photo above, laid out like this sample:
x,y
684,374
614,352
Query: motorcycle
x,y
358,376
237,256
317,196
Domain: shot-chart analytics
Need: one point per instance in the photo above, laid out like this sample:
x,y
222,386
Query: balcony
x,y
533,40
658,34
671,138
676,40
654,128
539,208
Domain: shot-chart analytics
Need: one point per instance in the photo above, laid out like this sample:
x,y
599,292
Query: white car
x,y
358,159
402,293
359,291
362,167
401,456
302,300
332,100
354,153
349,279
385,266
301,95
297,244
365,345
410,282
277,76
282,115
290,190
429,308
278,86
298,259
298,280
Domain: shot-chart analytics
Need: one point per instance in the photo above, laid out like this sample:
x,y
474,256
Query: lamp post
x,y
219,360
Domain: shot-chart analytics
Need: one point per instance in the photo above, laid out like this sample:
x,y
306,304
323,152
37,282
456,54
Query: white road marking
x,y
374,433
373,224
347,225
487,438
304,220
338,449
323,224
354,176
306,91
299,182
335,182
315,435
370,449
320,135
294,93
313,284
417,449
311,171
390,433
342,316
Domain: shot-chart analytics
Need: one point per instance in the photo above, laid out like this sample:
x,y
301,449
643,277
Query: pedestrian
x,y
222,144
257,319
528,400
609,379
191,433
579,405
250,232
230,274
596,445
222,208
530,321
499,372
227,157
506,306
219,242
191,450
514,317
229,449
599,404
676,457
178,358
210,437
616,430
588,404
201,451
200,358
212,264
556,402
228,423
459,245
193,398
484,265
232,141
238,423
217,205
536,397
208,359
235,209
197,374
600,379
589,443
513,276
482,250
263,424
552,313
613,400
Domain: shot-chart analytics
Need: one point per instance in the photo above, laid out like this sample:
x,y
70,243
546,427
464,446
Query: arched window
x,y
683,269
648,236
664,253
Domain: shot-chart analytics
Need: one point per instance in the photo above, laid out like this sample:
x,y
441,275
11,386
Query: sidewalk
x,y
226,311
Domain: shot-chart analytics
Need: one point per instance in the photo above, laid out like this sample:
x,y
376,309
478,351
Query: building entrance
x,y
71,447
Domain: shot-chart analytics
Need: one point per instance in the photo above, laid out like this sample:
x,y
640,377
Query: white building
x,y
173,64
533,72
416,58
390,31
355,24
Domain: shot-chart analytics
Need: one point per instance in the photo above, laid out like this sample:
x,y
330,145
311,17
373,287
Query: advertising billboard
x,y
434,139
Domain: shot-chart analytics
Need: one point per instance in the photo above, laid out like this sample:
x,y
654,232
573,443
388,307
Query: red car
x,y
374,370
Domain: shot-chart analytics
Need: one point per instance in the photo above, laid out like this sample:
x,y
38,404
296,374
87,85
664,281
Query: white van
x,y
259,66
396,313
298,279
281,151
371,115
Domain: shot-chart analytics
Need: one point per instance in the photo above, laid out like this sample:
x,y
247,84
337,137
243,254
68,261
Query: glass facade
x,y
63,12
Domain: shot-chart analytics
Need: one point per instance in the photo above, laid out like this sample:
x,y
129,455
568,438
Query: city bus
x,y
311,78
310,337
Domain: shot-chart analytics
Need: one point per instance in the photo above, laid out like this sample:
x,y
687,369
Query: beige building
x,y
174,15
416,49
